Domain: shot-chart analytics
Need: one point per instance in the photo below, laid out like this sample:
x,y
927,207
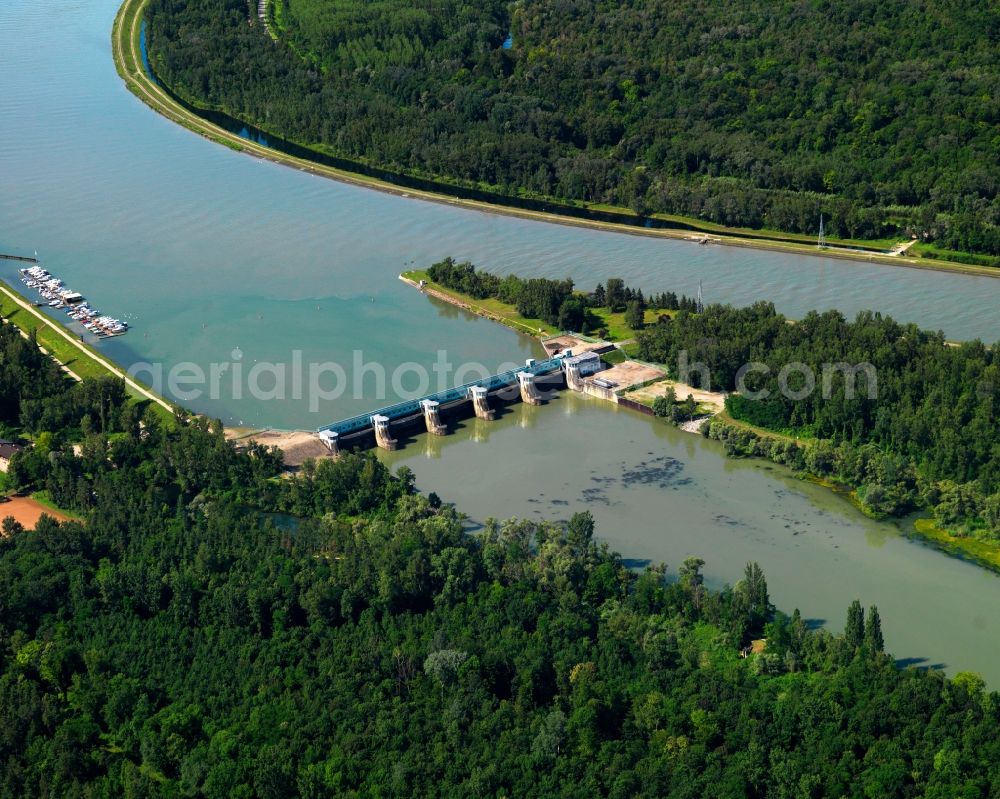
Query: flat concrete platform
x,y
627,374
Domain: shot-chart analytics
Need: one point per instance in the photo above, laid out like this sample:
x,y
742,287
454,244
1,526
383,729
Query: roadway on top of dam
x,y
410,407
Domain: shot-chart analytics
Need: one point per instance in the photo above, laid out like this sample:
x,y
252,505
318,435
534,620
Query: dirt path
x,y
64,367
716,399
262,15
138,388
28,511
900,249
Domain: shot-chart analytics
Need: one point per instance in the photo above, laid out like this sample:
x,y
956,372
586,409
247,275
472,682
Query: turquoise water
x,y
206,251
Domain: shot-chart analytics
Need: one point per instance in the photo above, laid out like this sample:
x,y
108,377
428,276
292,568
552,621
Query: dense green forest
x,y
925,437
556,301
884,116
185,640
921,436
37,396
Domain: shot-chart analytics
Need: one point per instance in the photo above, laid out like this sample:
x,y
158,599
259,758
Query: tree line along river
x,y
214,257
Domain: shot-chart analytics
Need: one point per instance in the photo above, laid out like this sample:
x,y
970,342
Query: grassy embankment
x,y
507,314
43,499
125,46
128,61
74,359
712,228
78,357
985,553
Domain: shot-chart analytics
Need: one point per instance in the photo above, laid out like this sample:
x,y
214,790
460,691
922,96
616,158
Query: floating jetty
x,y
56,295
26,259
384,427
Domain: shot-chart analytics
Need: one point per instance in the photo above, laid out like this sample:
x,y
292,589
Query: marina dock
x,y
25,259
56,295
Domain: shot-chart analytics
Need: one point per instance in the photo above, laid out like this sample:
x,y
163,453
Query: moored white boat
x,y
57,295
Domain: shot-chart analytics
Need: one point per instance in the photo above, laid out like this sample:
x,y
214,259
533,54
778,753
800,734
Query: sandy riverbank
x,y
715,399
297,445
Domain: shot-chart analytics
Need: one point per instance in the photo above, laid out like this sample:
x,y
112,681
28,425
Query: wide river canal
x,y
206,252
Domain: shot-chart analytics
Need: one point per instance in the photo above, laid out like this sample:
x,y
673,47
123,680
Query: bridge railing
x,y
409,407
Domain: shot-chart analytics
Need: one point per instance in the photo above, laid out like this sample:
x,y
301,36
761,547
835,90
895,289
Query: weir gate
x,y
468,399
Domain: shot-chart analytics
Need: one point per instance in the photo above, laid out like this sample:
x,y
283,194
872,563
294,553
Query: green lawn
x,y
508,315
81,362
761,431
43,498
61,350
489,308
615,322
613,357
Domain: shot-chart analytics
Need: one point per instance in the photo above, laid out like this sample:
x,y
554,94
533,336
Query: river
x,y
206,252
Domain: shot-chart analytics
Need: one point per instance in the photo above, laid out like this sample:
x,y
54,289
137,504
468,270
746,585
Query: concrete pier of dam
x,y
584,373
385,426
481,403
